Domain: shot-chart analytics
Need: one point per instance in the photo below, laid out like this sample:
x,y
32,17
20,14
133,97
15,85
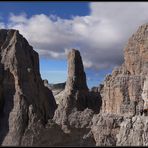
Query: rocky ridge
x,y
111,115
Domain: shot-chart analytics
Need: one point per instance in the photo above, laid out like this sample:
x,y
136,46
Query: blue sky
x,y
53,28
53,70
62,9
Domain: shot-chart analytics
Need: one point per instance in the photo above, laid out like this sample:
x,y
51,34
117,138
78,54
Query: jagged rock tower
x,y
23,98
76,94
76,75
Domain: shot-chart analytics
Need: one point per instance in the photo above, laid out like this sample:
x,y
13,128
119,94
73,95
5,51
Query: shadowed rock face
x,y
26,105
57,90
76,75
23,97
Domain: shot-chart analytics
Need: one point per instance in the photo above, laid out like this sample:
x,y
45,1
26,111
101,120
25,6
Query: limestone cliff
x,y
123,88
122,121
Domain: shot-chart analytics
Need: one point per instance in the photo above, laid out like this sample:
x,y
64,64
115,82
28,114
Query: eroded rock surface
x,y
23,95
123,88
133,132
122,98
105,127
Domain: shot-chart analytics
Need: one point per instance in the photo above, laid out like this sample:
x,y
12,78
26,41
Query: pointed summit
x,y
76,99
76,75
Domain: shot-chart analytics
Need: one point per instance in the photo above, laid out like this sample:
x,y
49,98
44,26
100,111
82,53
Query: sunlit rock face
x,y
145,94
136,52
123,88
57,90
122,121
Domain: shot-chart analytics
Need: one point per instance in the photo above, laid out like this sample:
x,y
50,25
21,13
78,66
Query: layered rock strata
x,y
123,88
122,121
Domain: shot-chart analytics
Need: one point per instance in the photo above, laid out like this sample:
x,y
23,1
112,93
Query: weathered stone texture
x,y
22,87
123,88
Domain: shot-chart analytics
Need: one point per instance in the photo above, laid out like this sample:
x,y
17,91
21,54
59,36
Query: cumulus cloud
x,y
100,36
2,25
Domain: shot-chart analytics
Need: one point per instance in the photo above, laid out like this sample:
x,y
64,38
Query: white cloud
x,y
2,25
18,19
99,36
87,64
